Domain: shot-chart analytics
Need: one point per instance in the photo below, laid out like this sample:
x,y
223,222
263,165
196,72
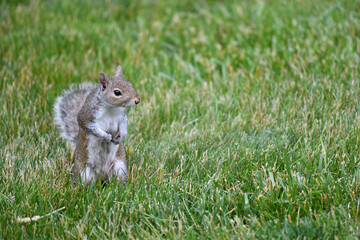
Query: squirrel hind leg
x,y
87,176
120,170
120,167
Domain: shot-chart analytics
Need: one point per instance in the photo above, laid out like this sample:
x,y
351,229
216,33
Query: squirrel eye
x,y
117,92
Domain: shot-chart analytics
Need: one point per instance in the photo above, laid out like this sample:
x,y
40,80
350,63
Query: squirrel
x,y
92,118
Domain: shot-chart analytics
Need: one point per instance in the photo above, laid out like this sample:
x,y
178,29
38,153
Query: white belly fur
x,y
101,155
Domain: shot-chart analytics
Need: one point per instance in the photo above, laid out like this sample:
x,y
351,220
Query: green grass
x,y
248,125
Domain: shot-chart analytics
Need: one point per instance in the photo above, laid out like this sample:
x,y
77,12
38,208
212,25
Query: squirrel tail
x,y
66,109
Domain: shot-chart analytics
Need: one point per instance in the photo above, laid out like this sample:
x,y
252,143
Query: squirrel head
x,y
117,90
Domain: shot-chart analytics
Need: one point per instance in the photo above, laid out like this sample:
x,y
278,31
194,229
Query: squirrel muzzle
x,y
137,100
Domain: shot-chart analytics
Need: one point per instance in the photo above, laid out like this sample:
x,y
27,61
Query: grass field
x,y
248,125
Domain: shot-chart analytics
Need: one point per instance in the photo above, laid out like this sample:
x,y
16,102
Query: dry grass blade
x,y
35,218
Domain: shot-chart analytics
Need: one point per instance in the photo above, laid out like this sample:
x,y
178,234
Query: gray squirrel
x,y
92,118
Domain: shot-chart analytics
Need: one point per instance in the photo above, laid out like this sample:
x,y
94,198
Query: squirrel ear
x,y
102,79
118,71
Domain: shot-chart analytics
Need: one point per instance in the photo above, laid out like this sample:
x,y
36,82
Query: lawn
x,y
248,125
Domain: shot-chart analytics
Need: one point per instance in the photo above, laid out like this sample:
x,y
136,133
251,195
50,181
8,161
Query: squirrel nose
x,y
137,100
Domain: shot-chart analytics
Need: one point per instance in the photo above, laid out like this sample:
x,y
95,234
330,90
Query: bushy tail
x,y
66,109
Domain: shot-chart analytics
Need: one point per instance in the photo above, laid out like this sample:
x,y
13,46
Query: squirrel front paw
x,y
107,138
116,140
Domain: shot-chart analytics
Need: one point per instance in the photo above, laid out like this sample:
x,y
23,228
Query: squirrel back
x,y
66,109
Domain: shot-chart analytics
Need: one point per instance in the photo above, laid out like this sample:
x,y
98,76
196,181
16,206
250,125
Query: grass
x,y
248,125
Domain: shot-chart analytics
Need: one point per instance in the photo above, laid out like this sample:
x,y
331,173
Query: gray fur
x,y
93,119
66,109
87,112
